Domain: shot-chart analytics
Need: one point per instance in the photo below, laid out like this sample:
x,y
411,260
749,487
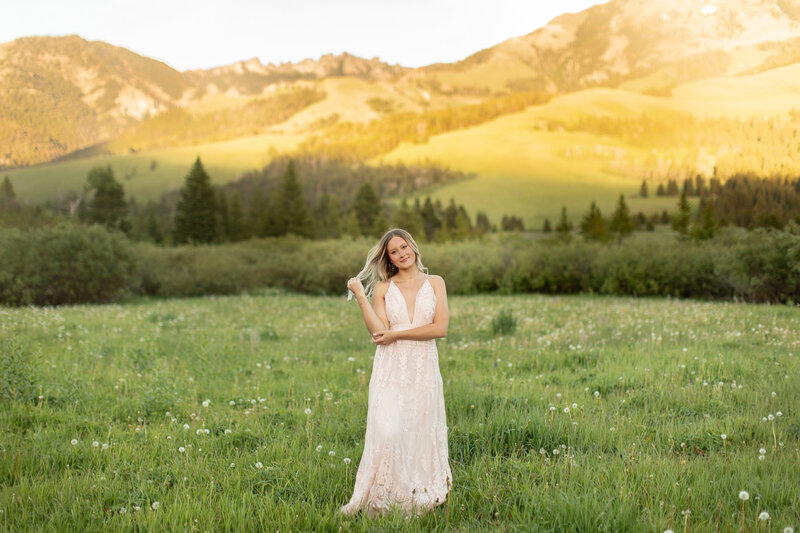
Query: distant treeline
x,y
178,127
74,264
311,198
743,200
681,145
355,142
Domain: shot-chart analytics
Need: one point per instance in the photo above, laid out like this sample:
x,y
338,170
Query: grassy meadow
x,y
596,414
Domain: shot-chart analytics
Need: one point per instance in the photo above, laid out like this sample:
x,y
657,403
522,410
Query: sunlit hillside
x,y
148,175
527,169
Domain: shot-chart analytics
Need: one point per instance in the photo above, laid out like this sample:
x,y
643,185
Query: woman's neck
x,y
409,275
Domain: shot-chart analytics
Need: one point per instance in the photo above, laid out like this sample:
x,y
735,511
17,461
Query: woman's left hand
x,y
384,337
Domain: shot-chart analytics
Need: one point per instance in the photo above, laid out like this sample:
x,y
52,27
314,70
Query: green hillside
x,y
224,161
588,145
527,168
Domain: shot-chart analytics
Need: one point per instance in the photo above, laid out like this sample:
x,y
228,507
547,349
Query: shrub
x,y
66,264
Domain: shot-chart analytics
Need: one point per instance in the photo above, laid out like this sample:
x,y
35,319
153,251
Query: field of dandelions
x,y
247,414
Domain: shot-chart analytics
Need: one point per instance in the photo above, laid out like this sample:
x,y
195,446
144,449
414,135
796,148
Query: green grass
x,y
670,378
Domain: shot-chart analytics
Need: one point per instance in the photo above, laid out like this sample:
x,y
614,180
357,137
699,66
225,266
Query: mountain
x,y
621,40
63,95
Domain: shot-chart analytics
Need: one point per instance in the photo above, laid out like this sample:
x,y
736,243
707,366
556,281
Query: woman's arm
x,y
374,315
434,330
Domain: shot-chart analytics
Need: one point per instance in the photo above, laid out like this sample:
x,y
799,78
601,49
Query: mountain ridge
x,y
64,94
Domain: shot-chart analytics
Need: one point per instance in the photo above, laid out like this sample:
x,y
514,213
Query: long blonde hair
x,y
379,266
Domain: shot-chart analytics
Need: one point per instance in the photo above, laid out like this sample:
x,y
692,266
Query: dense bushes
x,y
64,265
762,266
67,264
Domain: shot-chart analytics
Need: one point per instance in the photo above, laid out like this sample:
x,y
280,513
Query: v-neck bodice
x,y
423,307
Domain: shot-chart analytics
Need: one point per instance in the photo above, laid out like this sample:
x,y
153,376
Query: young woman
x,y
405,461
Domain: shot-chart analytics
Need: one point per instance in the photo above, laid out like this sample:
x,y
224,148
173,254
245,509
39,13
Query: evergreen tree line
x,y
696,187
595,227
342,202
261,205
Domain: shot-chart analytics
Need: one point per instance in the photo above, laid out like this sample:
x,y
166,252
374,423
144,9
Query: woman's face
x,y
400,253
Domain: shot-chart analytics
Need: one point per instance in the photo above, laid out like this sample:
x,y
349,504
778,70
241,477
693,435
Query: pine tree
x,y
706,227
661,191
8,198
381,225
482,224
564,227
288,212
680,222
353,228
547,228
430,219
643,189
688,187
700,186
256,215
237,229
672,188
327,217
223,214
593,225
107,205
367,206
621,222
154,232
196,212
409,219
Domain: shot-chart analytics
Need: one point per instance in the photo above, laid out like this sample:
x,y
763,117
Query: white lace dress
x,y
405,461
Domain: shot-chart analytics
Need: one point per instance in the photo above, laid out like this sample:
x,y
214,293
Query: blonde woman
x,y
405,462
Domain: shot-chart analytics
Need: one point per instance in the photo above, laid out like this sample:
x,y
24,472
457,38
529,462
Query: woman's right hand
x,y
355,286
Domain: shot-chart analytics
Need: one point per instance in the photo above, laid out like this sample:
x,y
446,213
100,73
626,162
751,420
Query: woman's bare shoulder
x,y
436,280
381,287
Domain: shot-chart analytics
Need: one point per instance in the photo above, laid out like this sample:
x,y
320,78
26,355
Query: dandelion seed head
x,y
259,465
319,448
74,442
155,505
347,460
308,410
762,451
763,516
744,495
